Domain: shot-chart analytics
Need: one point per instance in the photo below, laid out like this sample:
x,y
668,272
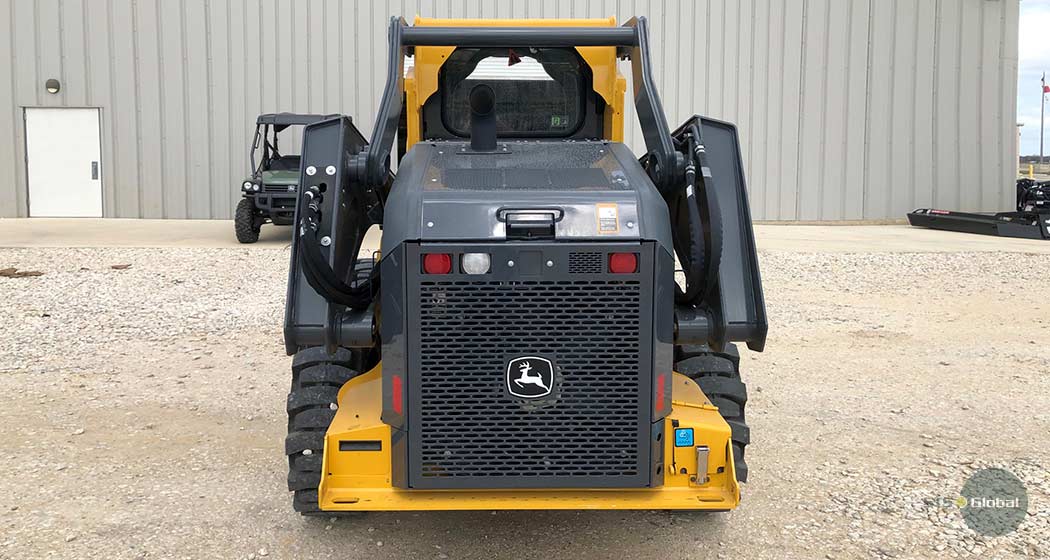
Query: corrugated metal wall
x,y
848,109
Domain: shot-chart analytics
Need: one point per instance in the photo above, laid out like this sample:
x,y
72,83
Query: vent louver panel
x,y
468,432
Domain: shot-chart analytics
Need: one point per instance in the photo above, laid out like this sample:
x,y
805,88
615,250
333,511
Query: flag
x,y
1046,88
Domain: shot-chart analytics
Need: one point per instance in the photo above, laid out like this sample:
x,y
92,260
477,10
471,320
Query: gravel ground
x,y
142,416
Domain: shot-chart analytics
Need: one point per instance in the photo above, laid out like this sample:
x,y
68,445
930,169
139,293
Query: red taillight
x,y
437,263
623,263
396,394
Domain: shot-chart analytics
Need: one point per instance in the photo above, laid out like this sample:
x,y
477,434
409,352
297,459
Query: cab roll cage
x,y
372,167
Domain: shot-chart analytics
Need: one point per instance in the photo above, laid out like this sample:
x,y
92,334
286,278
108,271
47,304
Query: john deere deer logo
x,y
530,377
526,379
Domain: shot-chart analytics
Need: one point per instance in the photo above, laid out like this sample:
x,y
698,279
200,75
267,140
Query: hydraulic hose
x,y
694,244
712,218
700,248
318,273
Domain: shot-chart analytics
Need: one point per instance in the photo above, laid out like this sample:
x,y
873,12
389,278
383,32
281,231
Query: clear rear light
x,y
476,263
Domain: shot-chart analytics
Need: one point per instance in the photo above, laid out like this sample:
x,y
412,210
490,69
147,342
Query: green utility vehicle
x,y
269,194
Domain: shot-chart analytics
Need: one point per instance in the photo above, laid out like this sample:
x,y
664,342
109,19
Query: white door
x,y
65,164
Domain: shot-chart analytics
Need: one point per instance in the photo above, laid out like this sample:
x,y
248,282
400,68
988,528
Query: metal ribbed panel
x,y
847,109
468,429
586,262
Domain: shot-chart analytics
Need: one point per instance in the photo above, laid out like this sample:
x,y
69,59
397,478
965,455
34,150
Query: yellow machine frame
x,y
421,81
361,480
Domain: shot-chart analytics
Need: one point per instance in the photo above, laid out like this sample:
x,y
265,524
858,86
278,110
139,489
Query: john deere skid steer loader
x,y
519,341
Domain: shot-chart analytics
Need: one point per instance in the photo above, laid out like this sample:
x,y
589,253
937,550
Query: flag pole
x,y
1042,115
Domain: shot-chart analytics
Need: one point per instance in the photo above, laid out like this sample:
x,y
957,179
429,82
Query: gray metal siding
x,y
847,109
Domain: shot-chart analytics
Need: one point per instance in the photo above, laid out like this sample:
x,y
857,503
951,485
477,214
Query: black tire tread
x,y
730,352
707,364
718,376
299,441
728,408
318,396
316,379
316,355
303,480
325,374
244,224
312,419
715,386
305,502
305,462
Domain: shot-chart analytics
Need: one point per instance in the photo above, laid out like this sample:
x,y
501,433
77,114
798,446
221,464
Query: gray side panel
x,y
198,116
220,72
405,203
663,323
663,358
174,153
149,84
653,217
393,331
9,204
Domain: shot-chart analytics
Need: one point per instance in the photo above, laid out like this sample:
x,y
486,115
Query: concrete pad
x,y
113,232
91,232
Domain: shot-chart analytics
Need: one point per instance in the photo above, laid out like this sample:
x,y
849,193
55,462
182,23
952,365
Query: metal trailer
x,y
1030,221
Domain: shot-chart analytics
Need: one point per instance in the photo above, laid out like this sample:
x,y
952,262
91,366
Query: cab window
x,y
539,91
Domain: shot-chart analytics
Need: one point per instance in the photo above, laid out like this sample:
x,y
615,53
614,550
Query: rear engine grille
x,y
586,262
469,433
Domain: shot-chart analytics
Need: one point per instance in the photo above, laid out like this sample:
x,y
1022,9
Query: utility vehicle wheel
x,y
244,222
718,375
316,379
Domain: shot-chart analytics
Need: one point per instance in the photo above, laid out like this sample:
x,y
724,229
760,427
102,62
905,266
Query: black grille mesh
x,y
468,428
586,262
528,179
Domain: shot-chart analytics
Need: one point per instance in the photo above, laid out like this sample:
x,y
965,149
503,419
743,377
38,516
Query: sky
x,y
1033,60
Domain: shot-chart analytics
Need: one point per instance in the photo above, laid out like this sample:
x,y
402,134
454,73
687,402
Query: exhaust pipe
x,y
482,119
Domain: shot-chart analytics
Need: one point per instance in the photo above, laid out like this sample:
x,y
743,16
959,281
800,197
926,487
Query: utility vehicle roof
x,y
284,120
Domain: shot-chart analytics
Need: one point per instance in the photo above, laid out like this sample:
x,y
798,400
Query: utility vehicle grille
x,y
468,432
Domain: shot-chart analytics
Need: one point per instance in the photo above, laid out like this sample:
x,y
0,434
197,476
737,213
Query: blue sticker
x,y
683,437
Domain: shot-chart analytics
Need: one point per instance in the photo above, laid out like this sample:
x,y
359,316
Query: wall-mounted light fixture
x,y
52,85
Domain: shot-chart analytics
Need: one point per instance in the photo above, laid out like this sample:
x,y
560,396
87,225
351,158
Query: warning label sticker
x,y
608,218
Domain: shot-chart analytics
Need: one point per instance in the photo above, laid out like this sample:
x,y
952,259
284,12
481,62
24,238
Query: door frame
x,y
101,153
